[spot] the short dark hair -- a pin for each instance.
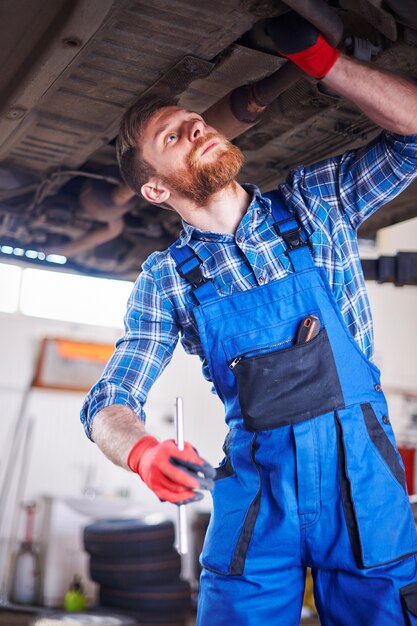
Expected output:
(135, 170)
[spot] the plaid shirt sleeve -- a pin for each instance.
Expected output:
(151, 334)
(360, 181)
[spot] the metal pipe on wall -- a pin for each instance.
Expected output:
(21, 461)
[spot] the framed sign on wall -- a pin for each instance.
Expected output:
(70, 365)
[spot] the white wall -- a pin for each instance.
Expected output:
(395, 313)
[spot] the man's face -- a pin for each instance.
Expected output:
(190, 157)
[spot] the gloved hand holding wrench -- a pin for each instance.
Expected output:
(173, 470)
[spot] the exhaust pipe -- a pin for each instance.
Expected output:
(242, 108)
(104, 203)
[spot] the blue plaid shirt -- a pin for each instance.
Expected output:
(331, 198)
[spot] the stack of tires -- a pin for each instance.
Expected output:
(138, 570)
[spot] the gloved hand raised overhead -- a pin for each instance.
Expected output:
(302, 43)
(171, 473)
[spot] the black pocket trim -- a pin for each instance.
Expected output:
(349, 507)
(224, 470)
(381, 442)
(288, 385)
(409, 600)
(239, 556)
(347, 501)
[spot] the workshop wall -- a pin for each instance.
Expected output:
(394, 312)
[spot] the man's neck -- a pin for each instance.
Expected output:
(221, 214)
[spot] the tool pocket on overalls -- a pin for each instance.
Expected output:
(287, 382)
(373, 487)
(409, 603)
(236, 503)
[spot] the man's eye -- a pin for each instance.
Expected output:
(170, 138)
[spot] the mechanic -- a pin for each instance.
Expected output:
(268, 290)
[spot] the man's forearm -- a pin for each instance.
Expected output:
(387, 99)
(115, 430)
(173, 475)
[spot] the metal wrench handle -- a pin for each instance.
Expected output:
(182, 536)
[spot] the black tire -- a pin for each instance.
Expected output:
(132, 573)
(128, 538)
(156, 598)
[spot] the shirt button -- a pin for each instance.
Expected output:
(239, 239)
(385, 419)
(259, 212)
(261, 279)
(378, 387)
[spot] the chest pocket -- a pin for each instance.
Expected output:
(279, 381)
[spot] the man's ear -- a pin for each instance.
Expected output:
(155, 191)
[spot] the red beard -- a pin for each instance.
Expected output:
(200, 180)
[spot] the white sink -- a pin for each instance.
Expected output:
(99, 508)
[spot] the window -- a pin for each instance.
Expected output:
(10, 277)
(62, 296)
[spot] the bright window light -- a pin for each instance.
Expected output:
(74, 298)
(32, 254)
(56, 258)
(10, 277)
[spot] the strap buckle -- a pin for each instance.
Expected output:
(292, 236)
(196, 277)
(194, 274)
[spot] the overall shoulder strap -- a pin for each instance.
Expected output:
(291, 230)
(188, 266)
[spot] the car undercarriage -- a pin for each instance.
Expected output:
(71, 69)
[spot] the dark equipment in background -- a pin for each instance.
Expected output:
(400, 269)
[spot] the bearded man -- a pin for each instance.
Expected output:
(268, 290)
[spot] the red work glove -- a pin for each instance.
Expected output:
(302, 43)
(171, 473)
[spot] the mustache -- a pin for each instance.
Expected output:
(199, 180)
(201, 141)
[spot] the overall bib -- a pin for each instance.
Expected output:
(311, 475)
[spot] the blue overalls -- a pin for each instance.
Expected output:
(311, 475)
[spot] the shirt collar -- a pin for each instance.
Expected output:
(191, 232)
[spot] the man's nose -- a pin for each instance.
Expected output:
(196, 130)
